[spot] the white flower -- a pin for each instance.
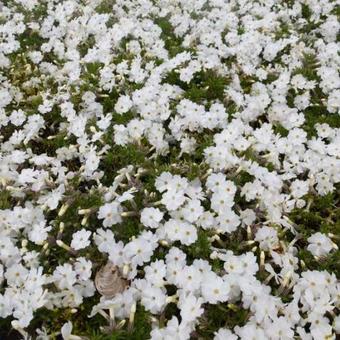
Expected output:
(1, 273)
(250, 331)
(248, 216)
(173, 199)
(111, 213)
(163, 181)
(321, 330)
(5, 97)
(6, 304)
(215, 181)
(190, 279)
(175, 255)
(16, 275)
(267, 237)
(214, 289)
(66, 331)
(324, 130)
(173, 330)
(80, 239)
(121, 134)
(299, 188)
(91, 163)
(220, 202)
(39, 232)
(280, 329)
(228, 221)
(104, 239)
(188, 145)
(177, 230)
(155, 272)
(337, 324)
(206, 220)
(151, 217)
(192, 210)
(83, 268)
(191, 307)
(64, 276)
(244, 265)
(224, 334)
(320, 244)
(17, 117)
(36, 56)
(153, 299)
(139, 251)
(123, 104)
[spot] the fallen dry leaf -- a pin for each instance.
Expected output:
(109, 282)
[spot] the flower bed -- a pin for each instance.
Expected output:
(169, 169)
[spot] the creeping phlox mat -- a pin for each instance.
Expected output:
(169, 169)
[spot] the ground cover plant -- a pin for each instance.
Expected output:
(169, 169)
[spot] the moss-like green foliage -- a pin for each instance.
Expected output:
(322, 216)
(5, 199)
(220, 315)
(201, 248)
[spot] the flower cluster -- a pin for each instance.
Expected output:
(169, 169)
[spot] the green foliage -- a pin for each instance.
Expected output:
(119, 157)
(173, 44)
(220, 315)
(309, 67)
(318, 114)
(140, 330)
(329, 263)
(5, 199)
(7, 331)
(105, 6)
(323, 216)
(206, 85)
(201, 248)
(306, 12)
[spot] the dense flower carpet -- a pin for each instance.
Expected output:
(169, 169)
